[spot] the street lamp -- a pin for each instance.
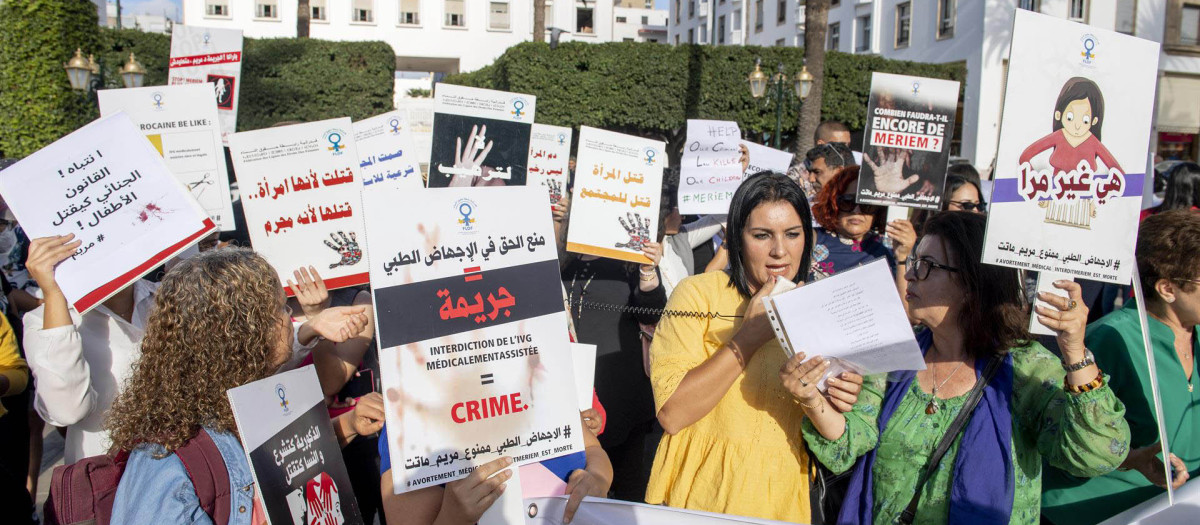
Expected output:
(801, 84)
(79, 72)
(133, 74)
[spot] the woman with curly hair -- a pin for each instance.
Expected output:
(849, 234)
(219, 321)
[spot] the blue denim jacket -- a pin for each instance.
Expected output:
(158, 491)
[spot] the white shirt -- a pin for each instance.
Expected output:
(79, 368)
(672, 268)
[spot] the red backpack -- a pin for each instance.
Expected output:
(84, 491)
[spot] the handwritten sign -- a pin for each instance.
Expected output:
(480, 137)
(710, 170)
(106, 184)
(293, 452)
(181, 123)
(301, 194)
(549, 158)
(906, 145)
(1064, 199)
(764, 158)
(617, 194)
(385, 151)
(205, 55)
(472, 331)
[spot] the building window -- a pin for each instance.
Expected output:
(645, 20)
(781, 12)
(758, 16)
(410, 12)
(549, 16)
(835, 36)
(362, 12)
(721, 29)
(780, 43)
(266, 9)
(691, 9)
(678, 12)
(737, 20)
(835, 3)
(318, 10)
(627, 39)
(498, 16)
(1077, 10)
(583, 20)
(945, 18)
(1030, 5)
(621, 20)
(903, 23)
(216, 8)
(691, 36)
(1189, 29)
(864, 34)
(676, 39)
(456, 13)
(1126, 16)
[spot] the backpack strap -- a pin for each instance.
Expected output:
(206, 467)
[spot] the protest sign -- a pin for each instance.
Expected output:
(106, 184)
(764, 158)
(418, 113)
(302, 197)
(601, 511)
(480, 137)
(711, 169)
(385, 152)
(181, 122)
(1062, 198)
(472, 330)
(204, 55)
(906, 144)
(617, 194)
(549, 156)
(294, 455)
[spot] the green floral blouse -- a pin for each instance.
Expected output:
(1084, 434)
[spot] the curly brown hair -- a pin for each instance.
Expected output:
(1168, 246)
(825, 204)
(217, 323)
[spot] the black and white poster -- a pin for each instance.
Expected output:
(480, 137)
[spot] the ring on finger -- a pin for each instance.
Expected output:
(1071, 305)
(804, 383)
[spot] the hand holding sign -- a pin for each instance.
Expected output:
(44, 255)
(889, 171)
(465, 500)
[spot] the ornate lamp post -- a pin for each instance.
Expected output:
(759, 82)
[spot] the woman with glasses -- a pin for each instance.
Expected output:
(1168, 258)
(849, 233)
(1035, 409)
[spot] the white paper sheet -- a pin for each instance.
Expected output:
(1045, 283)
(583, 358)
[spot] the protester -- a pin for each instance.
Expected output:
(1183, 189)
(831, 131)
(730, 444)
(849, 234)
(14, 377)
(824, 163)
(974, 315)
(1168, 258)
(219, 321)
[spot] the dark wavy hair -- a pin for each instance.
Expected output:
(993, 318)
(1168, 246)
(825, 204)
(1183, 187)
(758, 189)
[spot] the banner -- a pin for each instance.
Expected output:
(385, 151)
(474, 352)
(210, 56)
(906, 144)
(294, 454)
(1073, 144)
(763, 158)
(480, 137)
(106, 184)
(711, 167)
(549, 158)
(302, 198)
(617, 194)
(181, 123)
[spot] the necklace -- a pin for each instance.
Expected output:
(932, 407)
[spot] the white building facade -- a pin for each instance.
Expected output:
(736, 22)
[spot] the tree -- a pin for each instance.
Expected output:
(539, 20)
(816, 18)
(303, 16)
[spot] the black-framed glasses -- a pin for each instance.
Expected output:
(846, 204)
(970, 206)
(921, 267)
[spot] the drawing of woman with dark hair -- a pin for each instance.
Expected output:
(1078, 116)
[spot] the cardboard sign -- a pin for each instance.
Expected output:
(711, 169)
(204, 55)
(386, 153)
(549, 159)
(480, 137)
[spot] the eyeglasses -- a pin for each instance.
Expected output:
(921, 267)
(846, 204)
(1194, 281)
(970, 206)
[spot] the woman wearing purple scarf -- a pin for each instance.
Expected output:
(1034, 409)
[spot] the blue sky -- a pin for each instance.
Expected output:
(173, 7)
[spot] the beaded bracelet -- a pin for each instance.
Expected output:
(737, 354)
(1086, 387)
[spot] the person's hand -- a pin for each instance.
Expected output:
(653, 251)
(45, 253)
(889, 172)
(744, 157)
(1068, 318)
(1145, 460)
(340, 323)
(800, 377)
(309, 290)
(904, 237)
(368, 414)
(465, 500)
(592, 419)
(756, 328)
(579, 484)
(843, 391)
(471, 155)
(559, 211)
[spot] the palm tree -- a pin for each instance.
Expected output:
(539, 20)
(303, 14)
(816, 18)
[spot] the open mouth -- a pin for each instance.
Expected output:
(778, 269)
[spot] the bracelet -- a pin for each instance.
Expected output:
(648, 278)
(644, 272)
(1088, 360)
(737, 354)
(1087, 387)
(814, 405)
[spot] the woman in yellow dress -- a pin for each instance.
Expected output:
(733, 437)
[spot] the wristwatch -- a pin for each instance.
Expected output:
(1088, 360)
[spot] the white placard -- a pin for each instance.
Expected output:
(1045, 283)
(764, 158)
(549, 158)
(601, 511)
(584, 361)
(205, 55)
(710, 170)
(181, 122)
(418, 113)
(301, 194)
(480, 137)
(617, 194)
(385, 152)
(106, 184)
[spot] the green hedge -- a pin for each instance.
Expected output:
(153, 52)
(655, 88)
(37, 105)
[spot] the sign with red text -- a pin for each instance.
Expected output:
(549, 159)
(205, 55)
(617, 194)
(106, 184)
(1070, 167)
(301, 194)
(473, 347)
(711, 169)
(906, 144)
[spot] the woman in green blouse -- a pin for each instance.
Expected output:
(1168, 257)
(992, 473)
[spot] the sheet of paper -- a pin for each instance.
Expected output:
(549, 159)
(710, 170)
(1045, 283)
(386, 154)
(854, 318)
(583, 358)
(509, 508)
(600, 511)
(480, 137)
(764, 158)
(210, 56)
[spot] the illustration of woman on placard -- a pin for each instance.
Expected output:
(1078, 116)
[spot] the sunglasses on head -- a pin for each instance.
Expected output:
(846, 204)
